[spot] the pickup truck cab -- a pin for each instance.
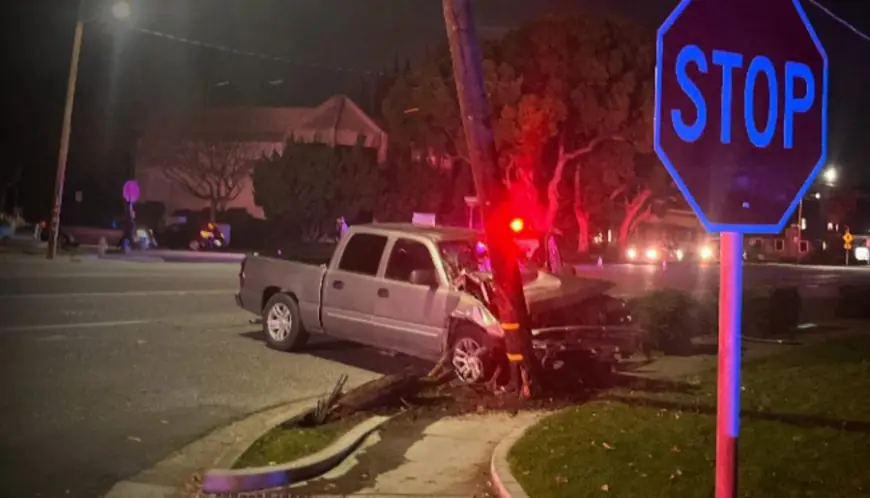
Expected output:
(397, 287)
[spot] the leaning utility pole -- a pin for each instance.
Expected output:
(491, 194)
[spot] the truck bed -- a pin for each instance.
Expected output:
(266, 275)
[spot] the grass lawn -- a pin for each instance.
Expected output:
(284, 444)
(805, 433)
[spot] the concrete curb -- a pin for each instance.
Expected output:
(135, 259)
(262, 478)
(504, 482)
(221, 448)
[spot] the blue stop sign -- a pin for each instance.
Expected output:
(741, 109)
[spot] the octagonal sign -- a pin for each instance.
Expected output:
(741, 109)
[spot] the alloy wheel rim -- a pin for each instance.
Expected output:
(467, 361)
(279, 322)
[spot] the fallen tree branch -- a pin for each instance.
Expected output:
(326, 405)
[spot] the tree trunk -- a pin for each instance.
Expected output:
(563, 159)
(212, 211)
(553, 193)
(631, 212)
(580, 215)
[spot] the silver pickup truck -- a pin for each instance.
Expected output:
(422, 291)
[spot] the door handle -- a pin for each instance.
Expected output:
(383, 293)
(338, 284)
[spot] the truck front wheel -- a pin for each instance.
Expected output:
(473, 355)
(282, 325)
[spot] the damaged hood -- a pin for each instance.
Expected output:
(548, 292)
(545, 291)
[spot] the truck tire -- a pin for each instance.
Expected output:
(468, 366)
(282, 325)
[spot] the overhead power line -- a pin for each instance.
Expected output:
(250, 54)
(285, 60)
(840, 20)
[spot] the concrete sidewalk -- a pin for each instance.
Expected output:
(427, 457)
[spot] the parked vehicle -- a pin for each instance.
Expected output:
(423, 291)
(207, 237)
(671, 252)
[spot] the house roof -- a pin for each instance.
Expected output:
(337, 120)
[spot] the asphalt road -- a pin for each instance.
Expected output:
(107, 367)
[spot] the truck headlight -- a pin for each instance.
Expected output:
(631, 253)
(652, 254)
(679, 254)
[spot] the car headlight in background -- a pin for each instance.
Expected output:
(862, 253)
(631, 253)
(679, 254)
(706, 253)
(652, 253)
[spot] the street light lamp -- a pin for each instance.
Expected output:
(830, 175)
(120, 10)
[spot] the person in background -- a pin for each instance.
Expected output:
(129, 228)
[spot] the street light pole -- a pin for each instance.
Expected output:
(800, 228)
(120, 10)
(63, 153)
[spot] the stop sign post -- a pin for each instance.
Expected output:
(741, 125)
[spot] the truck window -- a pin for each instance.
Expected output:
(362, 253)
(407, 256)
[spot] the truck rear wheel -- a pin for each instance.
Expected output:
(282, 325)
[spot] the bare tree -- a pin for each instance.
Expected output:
(207, 168)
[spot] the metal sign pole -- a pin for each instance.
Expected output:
(728, 383)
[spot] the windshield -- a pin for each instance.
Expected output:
(459, 255)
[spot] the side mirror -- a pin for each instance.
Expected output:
(424, 277)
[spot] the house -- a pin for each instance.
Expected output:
(259, 130)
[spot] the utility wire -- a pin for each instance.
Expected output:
(255, 55)
(284, 60)
(840, 20)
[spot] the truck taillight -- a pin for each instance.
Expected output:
(242, 273)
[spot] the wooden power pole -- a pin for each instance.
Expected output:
(492, 196)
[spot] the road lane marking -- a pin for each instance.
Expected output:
(22, 276)
(44, 295)
(64, 326)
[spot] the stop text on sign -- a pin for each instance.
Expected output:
(760, 70)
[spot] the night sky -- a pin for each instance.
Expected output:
(126, 75)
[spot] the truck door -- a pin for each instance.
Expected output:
(350, 289)
(411, 317)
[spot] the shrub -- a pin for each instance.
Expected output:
(854, 301)
(670, 319)
(785, 308)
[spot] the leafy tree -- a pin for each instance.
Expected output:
(208, 168)
(307, 186)
(10, 175)
(560, 88)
